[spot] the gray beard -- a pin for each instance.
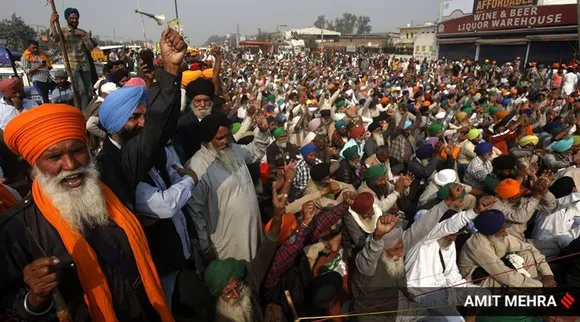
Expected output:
(201, 113)
(239, 310)
(81, 207)
(499, 244)
(226, 157)
(282, 145)
(394, 268)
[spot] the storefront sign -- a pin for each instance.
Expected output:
(484, 5)
(512, 18)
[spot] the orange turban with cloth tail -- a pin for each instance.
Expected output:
(29, 134)
(508, 188)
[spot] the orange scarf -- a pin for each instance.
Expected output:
(7, 198)
(30, 57)
(93, 281)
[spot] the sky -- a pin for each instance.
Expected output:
(202, 19)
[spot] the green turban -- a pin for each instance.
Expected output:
(340, 104)
(485, 106)
(435, 128)
(493, 93)
(493, 110)
(350, 153)
(444, 191)
(278, 132)
(235, 127)
(271, 97)
(467, 109)
(375, 172)
(218, 273)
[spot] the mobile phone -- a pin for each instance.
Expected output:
(146, 56)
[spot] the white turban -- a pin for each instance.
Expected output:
(392, 238)
(109, 87)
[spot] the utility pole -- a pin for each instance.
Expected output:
(142, 25)
(114, 36)
(177, 16)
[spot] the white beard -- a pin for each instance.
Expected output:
(239, 310)
(282, 145)
(201, 113)
(226, 157)
(80, 207)
(499, 244)
(394, 267)
(379, 139)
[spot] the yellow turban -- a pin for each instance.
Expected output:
(528, 139)
(576, 139)
(461, 116)
(189, 76)
(208, 73)
(32, 132)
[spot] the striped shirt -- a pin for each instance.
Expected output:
(77, 54)
(42, 74)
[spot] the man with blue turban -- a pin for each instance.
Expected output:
(556, 157)
(79, 44)
(490, 256)
(480, 166)
(133, 162)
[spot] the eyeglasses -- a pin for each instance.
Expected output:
(228, 294)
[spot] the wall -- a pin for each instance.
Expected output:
(424, 47)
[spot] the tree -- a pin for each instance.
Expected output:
(330, 25)
(363, 25)
(320, 22)
(263, 36)
(16, 32)
(347, 23)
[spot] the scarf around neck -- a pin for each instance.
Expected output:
(96, 290)
(31, 58)
(368, 226)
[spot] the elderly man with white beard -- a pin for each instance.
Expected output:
(378, 281)
(281, 152)
(432, 264)
(224, 204)
(490, 256)
(91, 244)
(236, 285)
(201, 92)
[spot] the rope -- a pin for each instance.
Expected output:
(356, 312)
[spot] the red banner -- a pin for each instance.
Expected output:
(512, 18)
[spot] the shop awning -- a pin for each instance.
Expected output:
(552, 37)
(457, 40)
(508, 41)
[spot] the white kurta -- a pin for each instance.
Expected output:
(224, 206)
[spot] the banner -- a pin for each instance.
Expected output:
(511, 18)
(483, 5)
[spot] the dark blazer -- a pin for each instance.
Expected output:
(122, 169)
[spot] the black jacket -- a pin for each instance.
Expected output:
(187, 136)
(122, 169)
(347, 174)
(109, 243)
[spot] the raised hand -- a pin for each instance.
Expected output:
(290, 171)
(385, 225)
(308, 210)
(455, 198)
(279, 201)
(348, 198)
(484, 204)
(172, 49)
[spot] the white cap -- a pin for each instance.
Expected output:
(440, 115)
(444, 177)
(109, 87)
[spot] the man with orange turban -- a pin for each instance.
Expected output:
(12, 101)
(80, 223)
(519, 210)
